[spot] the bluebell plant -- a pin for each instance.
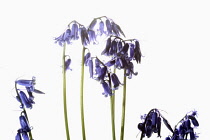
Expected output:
(26, 102)
(152, 123)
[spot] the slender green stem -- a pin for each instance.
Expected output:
(81, 95)
(64, 94)
(24, 110)
(123, 108)
(112, 105)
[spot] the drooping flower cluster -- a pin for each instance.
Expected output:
(152, 124)
(26, 101)
(185, 128)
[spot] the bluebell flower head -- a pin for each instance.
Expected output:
(108, 46)
(65, 37)
(107, 89)
(115, 80)
(74, 31)
(109, 27)
(24, 123)
(84, 36)
(26, 102)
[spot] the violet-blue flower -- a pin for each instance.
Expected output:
(26, 83)
(84, 36)
(24, 123)
(101, 28)
(74, 31)
(26, 102)
(109, 27)
(107, 89)
(115, 80)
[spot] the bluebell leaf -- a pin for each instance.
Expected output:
(101, 28)
(25, 135)
(109, 27)
(74, 31)
(137, 52)
(194, 120)
(90, 64)
(86, 58)
(167, 124)
(26, 102)
(107, 89)
(108, 46)
(24, 123)
(92, 24)
(115, 80)
(18, 136)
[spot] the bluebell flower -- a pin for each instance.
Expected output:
(115, 80)
(26, 83)
(26, 102)
(101, 28)
(137, 52)
(18, 136)
(86, 58)
(92, 36)
(193, 120)
(25, 135)
(116, 29)
(74, 31)
(108, 46)
(131, 50)
(31, 97)
(97, 67)
(90, 64)
(110, 63)
(113, 48)
(67, 64)
(109, 27)
(130, 70)
(24, 123)
(84, 36)
(107, 89)
(124, 50)
(119, 46)
(102, 74)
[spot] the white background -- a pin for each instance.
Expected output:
(173, 76)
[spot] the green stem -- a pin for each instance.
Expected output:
(24, 110)
(81, 95)
(123, 108)
(112, 105)
(64, 94)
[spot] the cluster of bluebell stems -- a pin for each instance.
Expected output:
(151, 123)
(121, 52)
(26, 101)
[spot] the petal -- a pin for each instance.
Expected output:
(25, 135)
(92, 24)
(109, 27)
(90, 63)
(25, 100)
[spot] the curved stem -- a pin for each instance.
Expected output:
(81, 95)
(64, 94)
(24, 110)
(123, 108)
